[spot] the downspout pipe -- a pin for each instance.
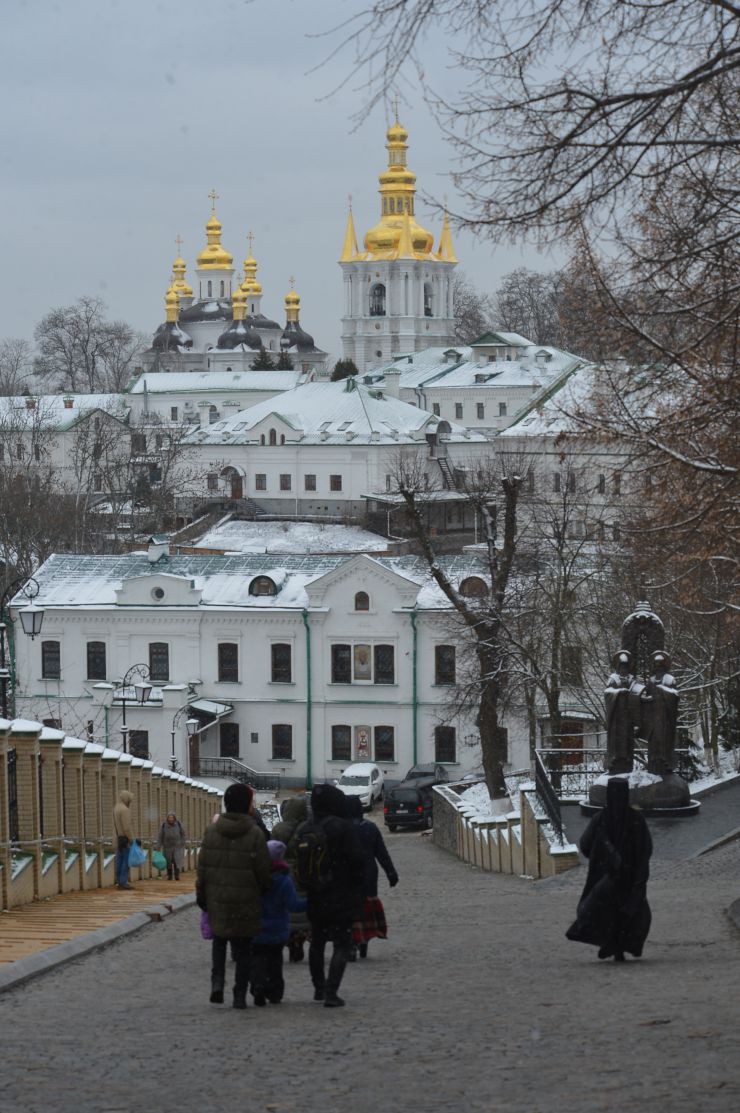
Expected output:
(309, 715)
(414, 690)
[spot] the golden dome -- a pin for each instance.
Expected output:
(184, 289)
(250, 285)
(239, 304)
(172, 304)
(292, 304)
(397, 192)
(214, 255)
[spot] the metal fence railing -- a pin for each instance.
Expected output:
(572, 771)
(232, 767)
(13, 822)
(547, 796)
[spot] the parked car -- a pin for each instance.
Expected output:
(365, 780)
(409, 804)
(435, 774)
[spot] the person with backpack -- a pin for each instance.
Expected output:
(372, 923)
(171, 841)
(293, 813)
(233, 873)
(329, 867)
(266, 968)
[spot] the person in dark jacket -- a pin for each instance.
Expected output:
(333, 910)
(233, 873)
(372, 924)
(266, 967)
(613, 912)
(171, 841)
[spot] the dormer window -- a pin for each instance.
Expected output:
(474, 588)
(262, 585)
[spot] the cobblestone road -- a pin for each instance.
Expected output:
(476, 1003)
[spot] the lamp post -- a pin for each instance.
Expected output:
(31, 618)
(191, 725)
(142, 690)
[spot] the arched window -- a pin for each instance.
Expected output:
(273, 437)
(377, 300)
(391, 205)
(262, 585)
(222, 290)
(210, 288)
(362, 601)
(282, 438)
(262, 438)
(428, 299)
(474, 587)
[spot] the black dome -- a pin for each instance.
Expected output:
(238, 333)
(260, 321)
(209, 310)
(169, 337)
(297, 338)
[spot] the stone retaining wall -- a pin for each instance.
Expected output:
(66, 791)
(520, 842)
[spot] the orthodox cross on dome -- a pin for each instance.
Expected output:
(349, 200)
(395, 107)
(250, 240)
(291, 280)
(179, 242)
(214, 198)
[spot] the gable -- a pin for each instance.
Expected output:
(363, 573)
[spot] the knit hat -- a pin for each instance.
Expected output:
(327, 800)
(238, 798)
(276, 849)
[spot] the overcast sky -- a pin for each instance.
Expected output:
(119, 117)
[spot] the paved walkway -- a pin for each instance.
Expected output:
(477, 1002)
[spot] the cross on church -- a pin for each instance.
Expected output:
(214, 198)
(250, 239)
(179, 242)
(292, 281)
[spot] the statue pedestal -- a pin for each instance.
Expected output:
(666, 796)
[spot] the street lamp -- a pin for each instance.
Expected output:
(31, 617)
(191, 725)
(142, 690)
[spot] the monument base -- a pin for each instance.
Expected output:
(666, 796)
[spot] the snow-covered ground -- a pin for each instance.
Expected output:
(290, 537)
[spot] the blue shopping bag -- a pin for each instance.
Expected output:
(136, 856)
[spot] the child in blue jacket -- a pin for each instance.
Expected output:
(266, 967)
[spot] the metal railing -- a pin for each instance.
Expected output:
(547, 796)
(231, 767)
(571, 772)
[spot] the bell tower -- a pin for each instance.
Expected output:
(398, 291)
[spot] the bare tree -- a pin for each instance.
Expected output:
(472, 310)
(482, 615)
(16, 366)
(79, 350)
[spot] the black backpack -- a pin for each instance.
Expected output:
(312, 858)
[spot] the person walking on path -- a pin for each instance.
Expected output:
(233, 873)
(293, 813)
(613, 912)
(171, 841)
(372, 924)
(335, 901)
(266, 968)
(124, 834)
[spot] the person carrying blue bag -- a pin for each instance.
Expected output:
(123, 832)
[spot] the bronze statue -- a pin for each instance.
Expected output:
(660, 713)
(620, 721)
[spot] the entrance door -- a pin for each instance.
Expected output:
(237, 489)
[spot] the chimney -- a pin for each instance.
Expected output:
(392, 381)
(158, 547)
(68, 402)
(30, 403)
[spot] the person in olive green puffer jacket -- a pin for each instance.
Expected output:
(234, 870)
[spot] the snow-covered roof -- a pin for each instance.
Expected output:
(547, 415)
(331, 412)
(93, 582)
(50, 411)
(498, 338)
(289, 537)
(536, 366)
(205, 382)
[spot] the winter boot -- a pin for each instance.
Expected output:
(217, 991)
(363, 950)
(240, 998)
(333, 1001)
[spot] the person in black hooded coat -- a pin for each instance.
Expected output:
(613, 913)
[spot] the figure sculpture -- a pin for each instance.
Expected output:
(659, 703)
(620, 722)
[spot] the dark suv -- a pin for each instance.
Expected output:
(408, 805)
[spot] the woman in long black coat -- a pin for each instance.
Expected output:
(613, 912)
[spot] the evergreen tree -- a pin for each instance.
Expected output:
(284, 363)
(343, 368)
(263, 361)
